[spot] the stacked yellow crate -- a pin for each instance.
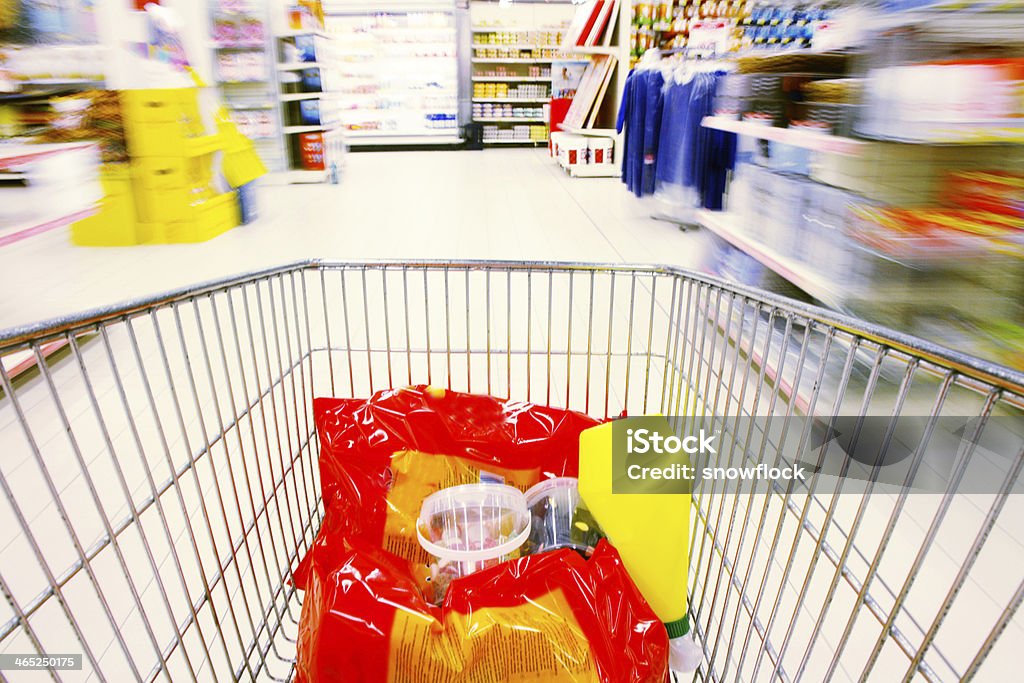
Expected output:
(114, 224)
(166, 192)
(172, 168)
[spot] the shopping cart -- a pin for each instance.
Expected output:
(160, 478)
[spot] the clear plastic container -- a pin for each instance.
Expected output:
(471, 527)
(552, 506)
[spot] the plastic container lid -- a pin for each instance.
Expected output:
(548, 487)
(473, 522)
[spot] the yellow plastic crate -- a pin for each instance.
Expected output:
(211, 218)
(169, 139)
(165, 122)
(170, 204)
(163, 173)
(114, 225)
(160, 105)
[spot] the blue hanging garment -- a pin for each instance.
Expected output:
(653, 109)
(674, 122)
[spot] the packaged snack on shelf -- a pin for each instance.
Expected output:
(999, 192)
(552, 617)
(380, 458)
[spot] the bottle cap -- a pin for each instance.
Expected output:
(679, 627)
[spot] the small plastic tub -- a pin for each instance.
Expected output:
(469, 528)
(552, 506)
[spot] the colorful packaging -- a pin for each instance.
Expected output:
(311, 148)
(366, 615)
(552, 617)
(381, 457)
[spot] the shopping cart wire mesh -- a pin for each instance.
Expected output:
(159, 472)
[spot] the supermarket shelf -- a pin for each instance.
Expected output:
(305, 32)
(510, 119)
(593, 50)
(511, 79)
(20, 232)
(303, 176)
(295, 97)
(241, 46)
(592, 132)
(806, 139)
(42, 87)
(16, 154)
(515, 142)
(298, 66)
(512, 100)
(723, 224)
(515, 46)
(379, 138)
(246, 81)
(294, 130)
(500, 60)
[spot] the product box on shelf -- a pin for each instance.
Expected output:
(311, 151)
(825, 240)
(783, 211)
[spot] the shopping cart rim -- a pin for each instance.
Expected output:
(998, 375)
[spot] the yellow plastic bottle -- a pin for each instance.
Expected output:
(651, 533)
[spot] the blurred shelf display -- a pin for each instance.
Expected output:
(310, 114)
(46, 186)
(539, 100)
(880, 172)
(528, 54)
(796, 137)
(505, 78)
(243, 68)
(36, 85)
(398, 73)
(726, 226)
(509, 119)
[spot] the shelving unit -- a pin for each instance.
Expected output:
(614, 44)
(312, 139)
(398, 73)
(243, 69)
(490, 49)
(48, 204)
(724, 225)
(512, 79)
(521, 100)
(805, 139)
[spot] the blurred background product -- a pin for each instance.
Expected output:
(875, 176)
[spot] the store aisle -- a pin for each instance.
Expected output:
(495, 204)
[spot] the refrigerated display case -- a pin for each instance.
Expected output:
(398, 70)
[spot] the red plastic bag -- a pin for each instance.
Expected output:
(548, 617)
(379, 458)
(551, 617)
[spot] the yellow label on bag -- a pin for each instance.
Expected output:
(537, 641)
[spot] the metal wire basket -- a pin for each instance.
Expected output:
(159, 471)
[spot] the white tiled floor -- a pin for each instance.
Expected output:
(512, 204)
